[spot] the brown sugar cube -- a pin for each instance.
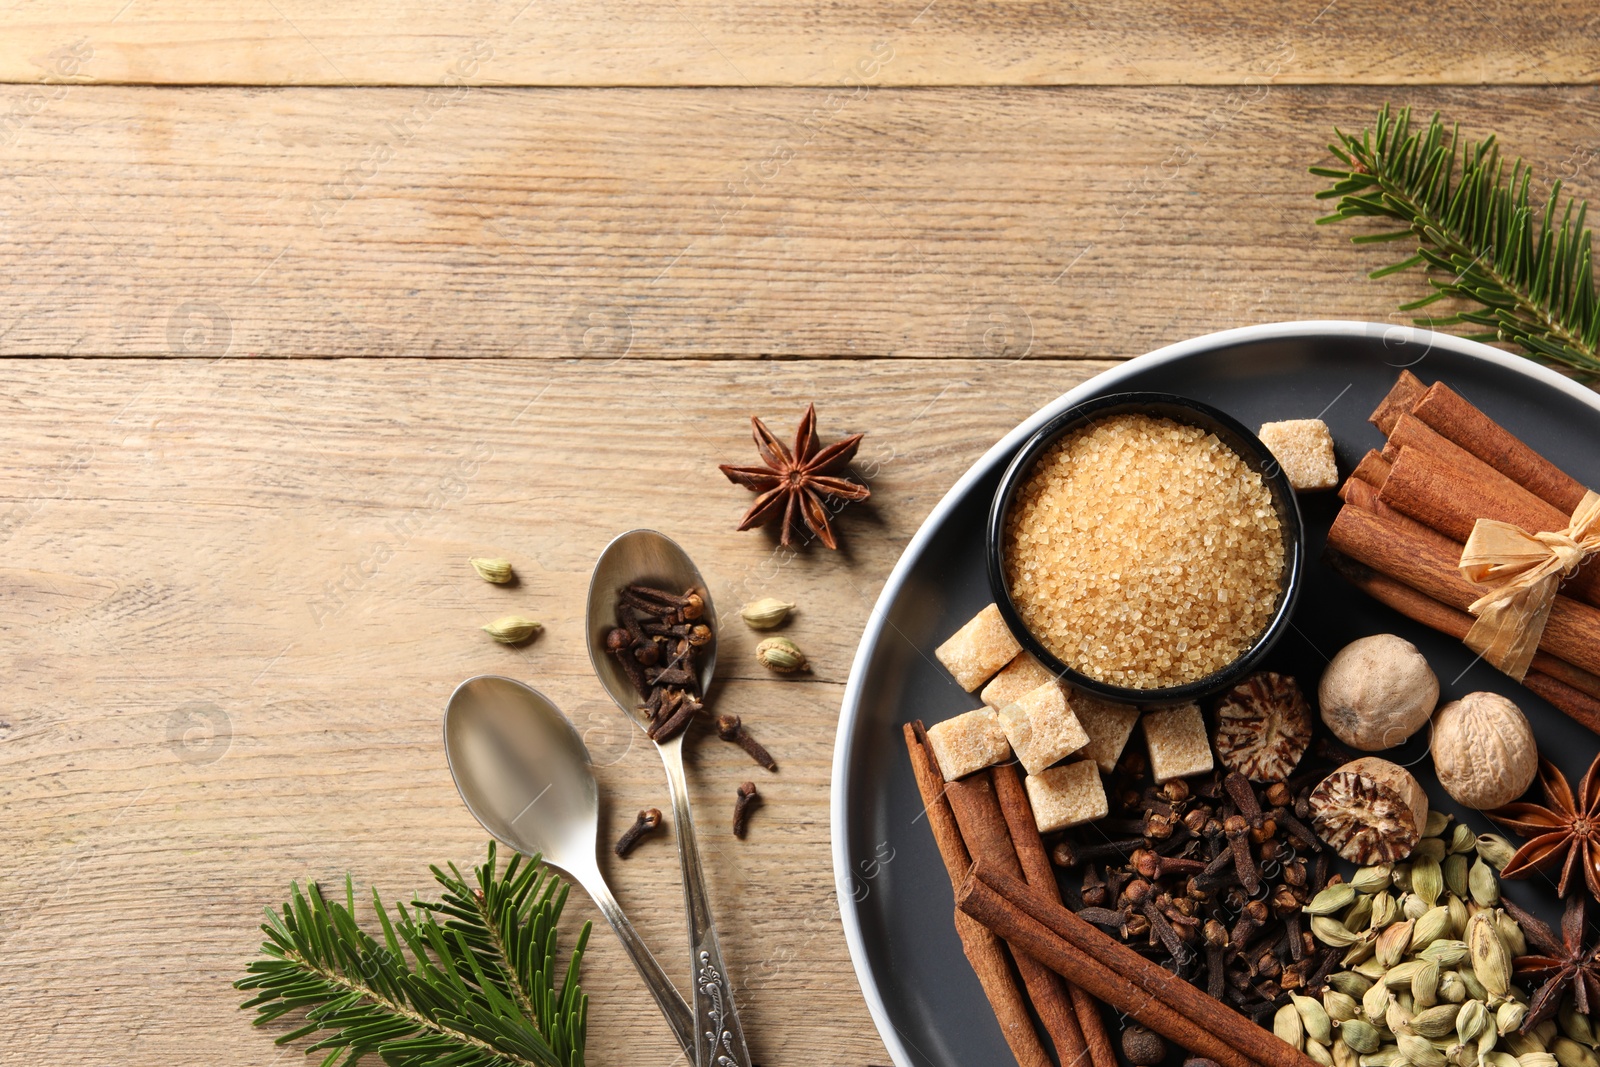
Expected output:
(978, 649)
(1068, 795)
(1178, 743)
(1016, 680)
(1108, 725)
(1304, 449)
(968, 743)
(1042, 728)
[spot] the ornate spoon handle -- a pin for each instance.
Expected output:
(718, 1039)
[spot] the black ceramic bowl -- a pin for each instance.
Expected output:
(1179, 409)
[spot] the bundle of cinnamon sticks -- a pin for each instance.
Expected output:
(1409, 509)
(1009, 911)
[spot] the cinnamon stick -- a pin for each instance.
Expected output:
(984, 951)
(1130, 983)
(1406, 392)
(1438, 490)
(1455, 418)
(987, 835)
(1426, 561)
(1373, 469)
(1579, 706)
(1094, 1044)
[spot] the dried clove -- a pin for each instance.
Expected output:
(649, 819)
(731, 728)
(743, 802)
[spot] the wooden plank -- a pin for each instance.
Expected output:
(236, 597)
(699, 42)
(565, 224)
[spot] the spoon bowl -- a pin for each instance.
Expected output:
(654, 559)
(526, 776)
(650, 558)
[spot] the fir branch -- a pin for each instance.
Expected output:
(1478, 236)
(477, 989)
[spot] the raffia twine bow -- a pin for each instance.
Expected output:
(1526, 570)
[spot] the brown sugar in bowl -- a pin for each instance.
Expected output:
(1174, 565)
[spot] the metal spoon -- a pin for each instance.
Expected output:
(524, 773)
(655, 559)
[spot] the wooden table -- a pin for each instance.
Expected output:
(320, 300)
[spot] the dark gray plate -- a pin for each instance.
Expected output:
(894, 894)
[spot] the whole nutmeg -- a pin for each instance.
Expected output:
(1377, 692)
(1483, 750)
(1144, 1048)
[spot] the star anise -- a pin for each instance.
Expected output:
(1565, 830)
(797, 484)
(1558, 967)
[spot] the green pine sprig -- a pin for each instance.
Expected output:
(469, 980)
(1478, 236)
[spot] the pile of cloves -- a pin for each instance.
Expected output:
(655, 645)
(1208, 878)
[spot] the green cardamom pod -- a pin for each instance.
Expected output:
(1399, 977)
(1344, 1055)
(1446, 952)
(1371, 879)
(1520, 1044)
(1436, 824)
(512, 629)
(1546, 1032)
(1462, 839)
(1387, 1056)
(1365, 965)
(1413, 907)
(1472, 1019)
(1499, 1059)
(1375, 1003)
(1333, 899)
(497, 571)
(1384, 910)
(1483, 885)
(1475, 988)
(1319, 1054)
(1400, 877)
(1511, 934)
(1458, 915)
(1451, 987)
(1350, 984)
(1454, 867)
(781, 654)
(1419, 1051)
(1537, 1059)
(1360, 1035)
(1490, 960)
(1427, 880)
(766, 613)
(1495, 850)
(1397, 1020)
(1314, 1017)
(1434, 924)
(1425, 985)
(1359, 915)
(1393, 942)
(1509, 1016)
(1569, 1053)
(1574, 1023)
(1434, 1023)
(1331, 931)
(1289, 1027)
(1340, 1007)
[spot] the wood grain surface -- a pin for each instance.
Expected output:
(318, 301)
(702, 42)
(565, 224)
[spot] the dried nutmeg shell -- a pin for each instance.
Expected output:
(1143, 1047)
(781, 655)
